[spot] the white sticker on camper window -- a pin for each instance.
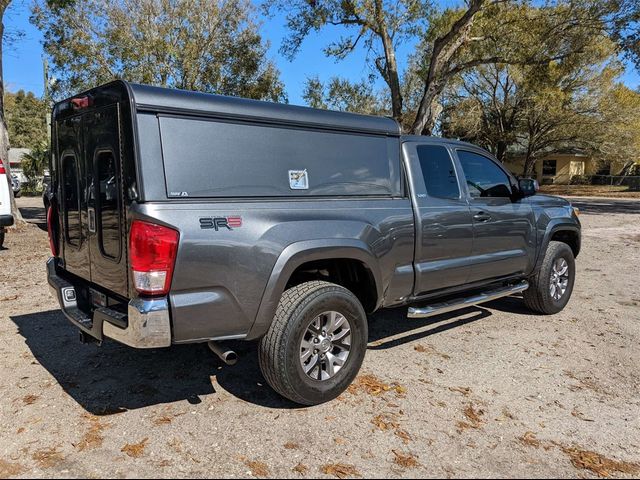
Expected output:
(298, 180)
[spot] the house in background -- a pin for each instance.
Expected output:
(15, 161)
(560, 167)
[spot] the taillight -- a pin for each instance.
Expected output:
(2, 170)
(51, 230)
(152, 255)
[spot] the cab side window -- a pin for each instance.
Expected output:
(484, 177)
(438, 172)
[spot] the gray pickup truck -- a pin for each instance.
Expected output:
(179, 217)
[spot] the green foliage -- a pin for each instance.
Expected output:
(26, 117)
(34, 164)
(343, 95)
(189, 44)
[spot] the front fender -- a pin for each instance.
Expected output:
(554, 226)
(302, 252)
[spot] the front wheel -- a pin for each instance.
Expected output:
(316, 343)
(550, 289)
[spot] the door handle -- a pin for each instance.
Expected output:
(92, 219)
(482, 217)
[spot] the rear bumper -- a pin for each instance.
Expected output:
(6, 220)
(146, 324)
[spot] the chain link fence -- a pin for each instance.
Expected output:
(632, 182)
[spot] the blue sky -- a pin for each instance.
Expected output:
(23, 60)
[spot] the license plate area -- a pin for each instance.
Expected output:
(98, 299)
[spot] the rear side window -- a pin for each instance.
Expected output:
(71, 199)
(206, 158)
(109, 213)
(438, 171)
(484, 177)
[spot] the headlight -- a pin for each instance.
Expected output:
(576, 211)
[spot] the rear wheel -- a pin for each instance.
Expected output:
(1, 236)
(316, 343)
(550, 289)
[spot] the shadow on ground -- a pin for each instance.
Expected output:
(35, 215)
(606, 206)
(113, 378)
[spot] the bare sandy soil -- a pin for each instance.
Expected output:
(490, 391)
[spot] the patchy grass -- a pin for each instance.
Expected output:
(340, 470)
(590, 191)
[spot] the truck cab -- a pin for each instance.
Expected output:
(178, 217)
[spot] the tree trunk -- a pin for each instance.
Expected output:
(428, 112)
(529, 165)
(390, 71)
(501, 150)
(444, 48)
(4, 133)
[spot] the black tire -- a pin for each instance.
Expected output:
(1, 236)
(17, 194)
(538, 296)
(279, 350)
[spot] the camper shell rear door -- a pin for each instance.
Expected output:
(88, 130)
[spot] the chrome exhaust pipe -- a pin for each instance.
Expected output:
(228, 356)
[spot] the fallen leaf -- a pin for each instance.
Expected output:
(47, 457)
(291, 446)
(258, 469)
(466, 391)
(599, 464)
(30, 399)
(529, 439)
(93, 438)
(473, 415)
(135, 450)
(8, 469)
(369, 384)
(300, 468)
(405, 460)
(576, 413)
(340, 470)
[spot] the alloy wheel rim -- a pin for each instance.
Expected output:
(559, 279)
(325, 345)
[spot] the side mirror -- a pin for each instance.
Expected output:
(528, 186)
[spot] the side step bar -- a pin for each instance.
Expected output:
(458, 303)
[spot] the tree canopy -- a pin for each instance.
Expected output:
(190, 44)
(26, 117)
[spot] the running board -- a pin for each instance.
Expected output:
(458, 303)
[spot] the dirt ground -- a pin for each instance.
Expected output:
(486, 392)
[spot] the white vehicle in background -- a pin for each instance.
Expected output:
(6, 219)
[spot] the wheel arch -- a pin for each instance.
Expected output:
(568, 233)
(314, 254)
